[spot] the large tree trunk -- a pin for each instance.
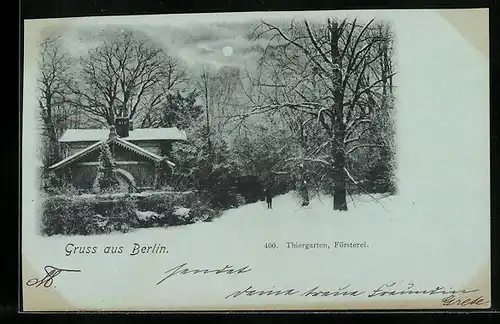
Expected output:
(54, 155)
(339, 164)
(111, 119)
(53, 143)
(339, 126)
(339, 188)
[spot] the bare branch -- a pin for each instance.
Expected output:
(361, 187)
(124, 73)
(304, 49)
(316, 45)
(308, 160)
(356, 42)
(363, 145)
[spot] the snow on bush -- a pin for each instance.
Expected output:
(102, 214)
(201, 212)
(181, 212)
(147, 215)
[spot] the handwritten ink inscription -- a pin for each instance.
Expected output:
(451, 297)
(316, 291)
(50, 273)
(183, 270)
(453, 300)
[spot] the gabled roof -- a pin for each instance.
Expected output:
(139, 134)
(139, 150)
(119, 141)
(77, 155)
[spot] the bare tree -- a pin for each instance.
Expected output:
(53, 85)
(335, 73)
(126, 75)
(217, 89)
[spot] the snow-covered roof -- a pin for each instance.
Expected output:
(119, 141)
(77, 155)
(140, 150)
(139, 134)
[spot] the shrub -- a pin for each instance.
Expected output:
(122, 214)
(170, 209)
(201, 212)
(153, 202)
(66, 216)
(148, 218)
(64, 188)
(87, 215)
(160, 208)
(182, 214)
(102, 214)
(222, 198)
(240, 200)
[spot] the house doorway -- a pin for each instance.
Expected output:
(126, 181)
(123, 184)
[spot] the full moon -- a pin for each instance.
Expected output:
(227, 51)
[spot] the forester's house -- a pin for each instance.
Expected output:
(139, 154)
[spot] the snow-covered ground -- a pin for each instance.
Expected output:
(408, 243)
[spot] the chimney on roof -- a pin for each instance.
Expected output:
(112, 132)
(122, 125)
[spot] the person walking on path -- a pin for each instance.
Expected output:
(269, 199)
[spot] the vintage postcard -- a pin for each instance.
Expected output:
(319, 160)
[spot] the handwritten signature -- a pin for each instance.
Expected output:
(50, 273)
(183, 270)
(453, 300)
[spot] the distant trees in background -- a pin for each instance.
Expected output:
(314, 115)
